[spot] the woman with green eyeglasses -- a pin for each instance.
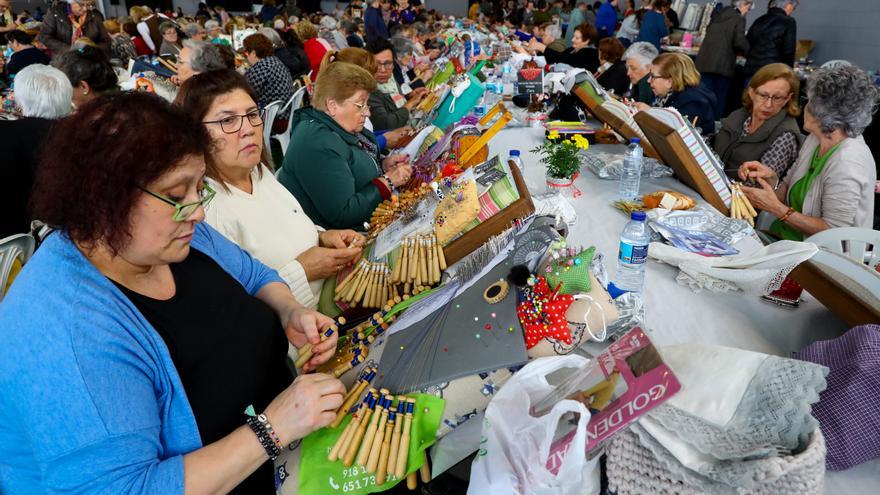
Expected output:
(137, 336)
(764, 129)
(252, 208)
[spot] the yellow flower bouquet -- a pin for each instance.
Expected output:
(561, 155)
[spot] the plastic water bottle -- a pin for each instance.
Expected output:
(514, 157)
(633, 255)
(508, 78)
(631, 174)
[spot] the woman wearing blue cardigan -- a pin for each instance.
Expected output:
(136, 336)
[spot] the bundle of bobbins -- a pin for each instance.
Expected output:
(354, 348)
(419, 267)
(396, 207)
(367, 285)
(740, 206)
(420, 264)
(306, 353)
(378, 437)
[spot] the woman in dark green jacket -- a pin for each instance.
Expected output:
(333, 165)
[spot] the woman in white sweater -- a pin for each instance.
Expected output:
(251, 207)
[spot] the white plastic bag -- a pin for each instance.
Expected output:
(515, 446)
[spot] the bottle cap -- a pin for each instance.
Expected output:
(514, 152)
(635, 140)
(638, 216)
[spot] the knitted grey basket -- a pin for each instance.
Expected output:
(633, 470)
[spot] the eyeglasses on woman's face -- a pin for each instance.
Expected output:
(761, 98)
(363, 108)
(652, 76)
(184, 211)
(232, 123)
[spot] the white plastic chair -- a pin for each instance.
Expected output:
(293, 104)
(862, 245)
(269, 114)
(15, 247)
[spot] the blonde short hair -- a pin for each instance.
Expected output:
(351, 55)
(305, 30)
(339, 81)
(771, 72)
(112, 26)
(679, 68)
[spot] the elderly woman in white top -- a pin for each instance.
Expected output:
(251, 207)
(832, 183)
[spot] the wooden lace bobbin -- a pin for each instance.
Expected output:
(340, 288)
(305, 352)
(338, 448)
(413, 261)
(370, 294)
(376, 448)
(425, 469)
(354, 443)
(395, 439)
(412, 481)
(401, 262)
(352, 288)
(344, 367)
(423, 261)
(403, 448)
(429, 255)
(382, 468)
(435, 260)
(440, 255)
(362, 286)
(353, 396)
(364, 452)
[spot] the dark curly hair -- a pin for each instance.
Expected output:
(95, 161)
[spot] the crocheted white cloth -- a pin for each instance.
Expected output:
(633, 470)
(759, 273)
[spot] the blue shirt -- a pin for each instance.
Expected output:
(374, 24)
(653, 28)
(606, 20)
(90, 400)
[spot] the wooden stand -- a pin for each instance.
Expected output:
(613, 121)
(471, 240)
(675, 153)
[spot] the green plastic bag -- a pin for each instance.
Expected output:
(442, 76)
(318, 476)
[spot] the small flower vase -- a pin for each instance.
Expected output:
(563, 186)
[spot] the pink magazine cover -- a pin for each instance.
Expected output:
(633, 373)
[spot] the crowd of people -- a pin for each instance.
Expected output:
(175, 229)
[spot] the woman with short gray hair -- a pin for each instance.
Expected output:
(639, 59)
(196, 57)
(43, 94)
(832, 183)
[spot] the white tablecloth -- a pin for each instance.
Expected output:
(674, 313)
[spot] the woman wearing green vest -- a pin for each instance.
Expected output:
(765, 129)
(333, 165)
(832, 183)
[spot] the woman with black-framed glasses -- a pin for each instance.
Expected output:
(252, 208)
(138, 335)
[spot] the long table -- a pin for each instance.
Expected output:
(674, 313)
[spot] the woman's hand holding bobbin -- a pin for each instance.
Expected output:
(308, 404)
(397, 169)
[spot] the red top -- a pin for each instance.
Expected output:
(140, 46)
(315, 50)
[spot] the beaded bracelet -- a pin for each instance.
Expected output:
(270, 445)
(787, 214)
(271, 431)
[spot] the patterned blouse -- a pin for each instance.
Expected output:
(271, 80)
(781, 154)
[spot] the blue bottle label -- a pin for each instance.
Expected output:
(631, 254)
